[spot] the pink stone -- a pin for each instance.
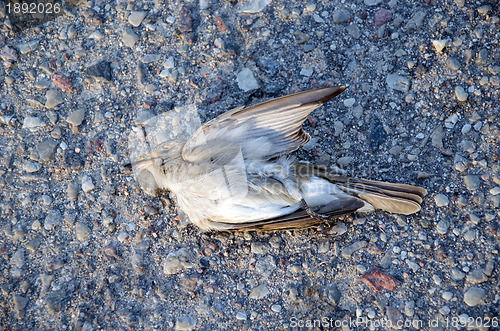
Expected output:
(382, 16)
(63, 82)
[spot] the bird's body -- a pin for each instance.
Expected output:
(235, 172)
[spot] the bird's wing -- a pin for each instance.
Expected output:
(296, 220)
(263, 131)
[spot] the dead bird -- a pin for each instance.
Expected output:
(236, 173)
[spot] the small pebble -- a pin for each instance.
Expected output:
(136, 17)
(442, 227)
(476, 276)
(349, 102)
(318, 19)
(28, 47)
(484, 9)
(46, 149)
(260, 248)
(453, 63)
(451, 121)
(466, 128)
(472, 182)
(17, 258)
(341, 16)
(301, 37)
(447, 296)
(276, 308)
(129, 37)
(72, 190)
(437, 137)
(441, 200)
(52, 220)
(394, 316)
(87, 184)
(437, 280)
(470, 235)
(382, 16)
(82, 231)
(259, 292)
(246, 80)
(344, 161)
(445, 310)
(495, 190)
(338, 229)
(241, 316)
(306, 72)
(457, 274)
(255, 6)
(354, 31)
(310, 7)
(123, 235)
(36, 225)
(474, 296)
(397, 82)
(33, 244)
(76, 118)
(64, 83)
(8, 54)
(412, 265)
(100, 71)
(440, 44)
(461, 94)
(32, 122)
(53, 98)
(175, 261)
(185, 322)
(31, 167)
(338, 126)
(350, 249)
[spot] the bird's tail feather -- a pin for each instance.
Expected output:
(391, 197)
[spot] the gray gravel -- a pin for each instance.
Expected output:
(84, 247)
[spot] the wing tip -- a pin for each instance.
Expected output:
(332, 92)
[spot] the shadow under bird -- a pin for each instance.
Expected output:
(236, 173)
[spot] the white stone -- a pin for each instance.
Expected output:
(441, 200)
(397, 82)
(136, 18)
(241, 316)
(451, 121)
(255, 6)
(87, 184)
(461, 94)
(96, 35)
(440, 44)
(31, 122)
(246, 80)
(349, 102)
(259, 292)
